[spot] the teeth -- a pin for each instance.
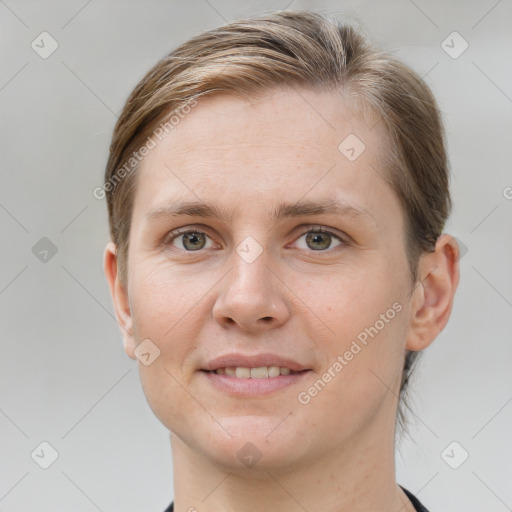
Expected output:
(273, 371)
(259, 373)
(243, 373)
(263, 372)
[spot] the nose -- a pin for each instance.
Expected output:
(251, 297)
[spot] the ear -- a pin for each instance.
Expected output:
(433, 296)
(120, 298)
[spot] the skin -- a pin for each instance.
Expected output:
(335, 453)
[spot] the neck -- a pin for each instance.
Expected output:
(343, 480)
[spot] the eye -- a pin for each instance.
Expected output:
(319, 239)
(189, 240)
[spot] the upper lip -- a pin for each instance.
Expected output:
(253, 361)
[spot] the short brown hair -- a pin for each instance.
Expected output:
(287, 49)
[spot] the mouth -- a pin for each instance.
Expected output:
(247, 382)
(260, 372)
(246, 376)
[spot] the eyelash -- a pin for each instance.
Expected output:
(183, 231)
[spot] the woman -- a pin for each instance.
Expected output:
(277, 190)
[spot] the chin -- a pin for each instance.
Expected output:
(257, 444)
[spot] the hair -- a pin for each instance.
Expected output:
(290, 49)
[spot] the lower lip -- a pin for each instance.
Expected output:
(253, 387)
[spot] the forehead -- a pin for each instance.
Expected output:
(281, 147)
(308, 120)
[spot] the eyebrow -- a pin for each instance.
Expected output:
(284, 210)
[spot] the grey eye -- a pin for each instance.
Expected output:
(193, 240)
(318, 240)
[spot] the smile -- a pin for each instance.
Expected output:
(245, 382)
(262, 372)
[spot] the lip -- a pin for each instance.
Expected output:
(252, 387)
(253, 361)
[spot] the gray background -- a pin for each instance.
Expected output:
(64, 377)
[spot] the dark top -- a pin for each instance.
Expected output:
(417, 505)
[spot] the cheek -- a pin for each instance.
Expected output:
(354, 298)
(166, 300)
(365, 312)
(167, 309)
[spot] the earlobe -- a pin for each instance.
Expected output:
(433, 296)
(120, 298)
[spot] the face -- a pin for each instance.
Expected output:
(265, 270)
